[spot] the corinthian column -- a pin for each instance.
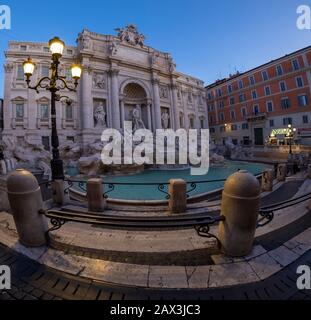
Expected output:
(7, 108)
(86, 99)
(115, 104)
(156, 103)
(175, 106)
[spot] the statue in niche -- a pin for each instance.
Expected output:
(99, 81)
(165, 119)
(136, 119)
(99, 116)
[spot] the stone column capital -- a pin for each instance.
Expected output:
(155, 81)
(86, 68)
(113, 72)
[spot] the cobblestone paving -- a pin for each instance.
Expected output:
(32, 281)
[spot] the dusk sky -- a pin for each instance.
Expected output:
(207, 39)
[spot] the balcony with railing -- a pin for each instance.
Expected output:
(256, 117)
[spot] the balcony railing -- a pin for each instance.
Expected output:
(260, 116)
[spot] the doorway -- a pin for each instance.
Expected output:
(258, 134)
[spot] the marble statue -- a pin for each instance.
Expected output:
(100, 115)
(131, 35)
(165, 119)
(136, 119)
(113, 48)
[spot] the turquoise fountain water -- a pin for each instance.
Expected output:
(151, 192)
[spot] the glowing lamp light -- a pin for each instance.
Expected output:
(28, 67)
(76, 71)
(56, 46)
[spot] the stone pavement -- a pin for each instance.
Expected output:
(269, 272)
(34, 281)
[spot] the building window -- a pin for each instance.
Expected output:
(256, 109)
(244, 126)
(303, 100)
(254, 94)
(19, 112)
(265, 76)
(269, 106)
(285, 103)
(232, 101)
(299, 82)
(70, 138)
(229, 88)
(243, 112)
(240, 84)
(212, 130)
(69, 51)
(234, 127)
(222, 129)
(287, 121)
(295, 64)
(251, 80)
(282, 86)
(209, 96)
(69, 112)
(271, 122)
(222, 116)
(181, 120)
(23, 48)
(267, 90)
(46, 49)
(242, 97)
(45, 71)
(221, 104)
(279, 70)
(46, 142)
(44, 111)
(232, 115)
(219, 92)
(191, 122)
(201, 123)
(305, 119)
(20, 72)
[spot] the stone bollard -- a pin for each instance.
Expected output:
(94, 192)
(58, 192)
(25, 201)
(177, 191)
(267, 180)
(240, 207)
(281, 173)
(309, 171)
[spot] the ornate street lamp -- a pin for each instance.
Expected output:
(54, 83)
(290, 134)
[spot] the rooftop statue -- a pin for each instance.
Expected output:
(131, 35)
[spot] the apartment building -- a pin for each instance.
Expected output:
(258, 106)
